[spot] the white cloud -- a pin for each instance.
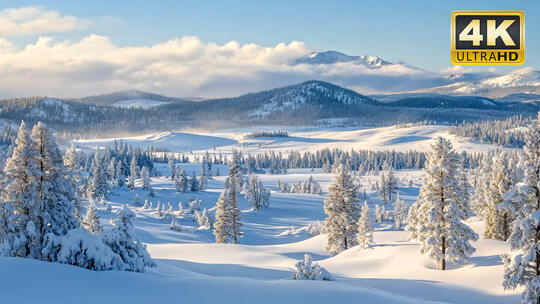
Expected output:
(181, 67)
(37, 20)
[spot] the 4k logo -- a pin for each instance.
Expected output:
(488, 37)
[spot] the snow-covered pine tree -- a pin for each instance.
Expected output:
(133, 171)
(391, 183)
(145, 175)
(233, 182)
(378, 213)
(120, 178)
(71, 159)
(111, 171)
(257, 195)
(222, 224)
(436, 219)
(179, 181)
(91, 221)
(400, 212)
(498, 221)
(343, 210)
(97, 187)
(365, 228)
(523, 268)
(172, 167)
(20, 207)
(193, 183)
(481, 190)
(122, 240)
(202, 179)
(55, 193)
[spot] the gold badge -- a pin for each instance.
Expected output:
(487, 37)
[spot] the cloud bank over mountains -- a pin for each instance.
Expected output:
(184, 67)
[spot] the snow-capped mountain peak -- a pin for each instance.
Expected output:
(332, 57)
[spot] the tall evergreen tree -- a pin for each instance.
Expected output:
(365, 228)
(436, 218)
(343, 210)
(55, 192)
(523, 201)
(221, 226)
(21, 206)
(498, 221)
(233, 183)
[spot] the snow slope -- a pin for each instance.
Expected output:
(192, 269)
(173, 141)
(142, 103)
(302, 139)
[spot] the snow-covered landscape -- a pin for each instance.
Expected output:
(190, 262)
(267, 152)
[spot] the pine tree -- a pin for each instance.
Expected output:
(523, 268)
(400, 212)
(71, 159)
(180, 182)
(133, 172)
(56, 194)
(498, 222)
(365, 228)
(97, 187)
(145, 175)
(120, 178)
(92, 221)
(172, 167)
(379, 213)
(221, 226)
(123, 241)
(202, 179)
(21, 206)
(233, 183)
(436, 219)
(193, 183)
(257, 195)
(343, 210)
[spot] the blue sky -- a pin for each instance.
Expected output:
(416, 32)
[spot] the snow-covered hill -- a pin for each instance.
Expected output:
(138, 103)
(522, 81)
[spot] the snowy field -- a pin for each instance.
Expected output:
(193, 269)
(300, 139)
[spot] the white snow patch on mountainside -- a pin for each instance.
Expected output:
(138, 103)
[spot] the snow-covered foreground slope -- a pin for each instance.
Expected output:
(192, 269)
(301, 139)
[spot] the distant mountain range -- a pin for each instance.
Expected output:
(487, 84)
(307, 103)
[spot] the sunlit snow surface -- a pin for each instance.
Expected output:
(191, 269)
